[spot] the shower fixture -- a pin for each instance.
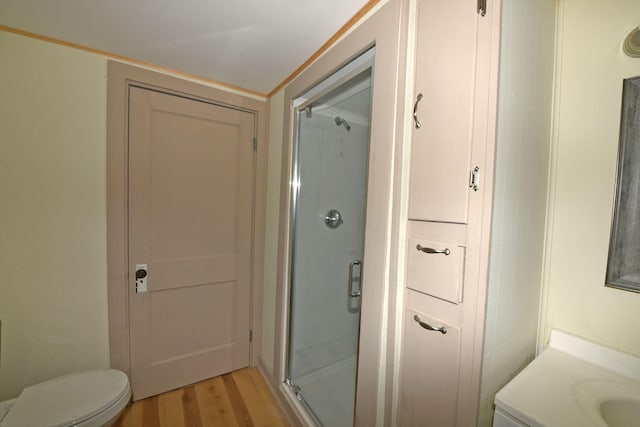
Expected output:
(343, 122)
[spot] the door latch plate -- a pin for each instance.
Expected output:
(141, 278)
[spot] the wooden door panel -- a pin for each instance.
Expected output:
(445, 76)
(190, 220)
(429, 373)
(178, 316)
(171, 274)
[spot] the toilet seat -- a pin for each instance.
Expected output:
(85, 398)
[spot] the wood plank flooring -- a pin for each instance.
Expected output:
(237, 399)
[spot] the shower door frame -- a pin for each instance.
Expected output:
(342, 80)
(382, 29)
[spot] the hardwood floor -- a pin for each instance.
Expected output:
(240, 398)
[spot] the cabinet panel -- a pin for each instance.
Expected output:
(445, 75)
(435, 267)
(436, 274)
(429, 373)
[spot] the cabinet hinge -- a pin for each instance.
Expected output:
(474, 178)
(482, 7)
(255, 144)
(250, 335)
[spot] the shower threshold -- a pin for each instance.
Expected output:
(329, 393)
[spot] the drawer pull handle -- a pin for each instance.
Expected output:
(444, 251)
(427, 326)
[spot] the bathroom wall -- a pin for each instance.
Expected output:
(590, 69)
(53, 288)
(53, 283)
(520, 193)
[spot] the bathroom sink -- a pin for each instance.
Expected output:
(576, 383)
(611, 403)
(620, 412)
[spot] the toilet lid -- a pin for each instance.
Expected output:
(67, 399)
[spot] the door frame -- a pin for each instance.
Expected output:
(120, 77)
(384, 29)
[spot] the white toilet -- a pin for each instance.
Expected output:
(87, 399)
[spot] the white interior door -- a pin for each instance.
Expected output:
(190, 228)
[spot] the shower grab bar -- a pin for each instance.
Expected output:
(350, 291)
(427, 326)
(444, 251)
(415, 111)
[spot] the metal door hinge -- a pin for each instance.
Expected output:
(474, 178)
(250, 335)
(482, 7)
(255, 144)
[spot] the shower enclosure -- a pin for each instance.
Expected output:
(327, 277)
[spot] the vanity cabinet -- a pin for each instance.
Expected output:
(443, 114)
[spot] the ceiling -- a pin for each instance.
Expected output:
(252, 44)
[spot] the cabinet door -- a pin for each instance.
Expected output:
(445, 75)
(429, 373)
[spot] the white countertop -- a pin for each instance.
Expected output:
(564, 386)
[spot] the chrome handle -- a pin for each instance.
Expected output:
(350, 291)
(427, 326)
(474, 178)
(444, 251)
(415, 111)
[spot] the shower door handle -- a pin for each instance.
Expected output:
(352, 264)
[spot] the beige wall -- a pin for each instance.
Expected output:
(53, 262)
(53, 292)
(589, 84)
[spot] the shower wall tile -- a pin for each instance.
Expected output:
(520, 194)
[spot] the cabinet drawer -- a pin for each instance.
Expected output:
(436, 268)
(430, 372)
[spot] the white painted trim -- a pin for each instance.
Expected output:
(552, 182)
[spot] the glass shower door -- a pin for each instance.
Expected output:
(327, 250)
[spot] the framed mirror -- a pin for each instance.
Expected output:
(623, 266)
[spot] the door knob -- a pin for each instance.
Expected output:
(141, 278)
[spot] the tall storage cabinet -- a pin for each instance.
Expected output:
(449, 210)
(474, 249)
